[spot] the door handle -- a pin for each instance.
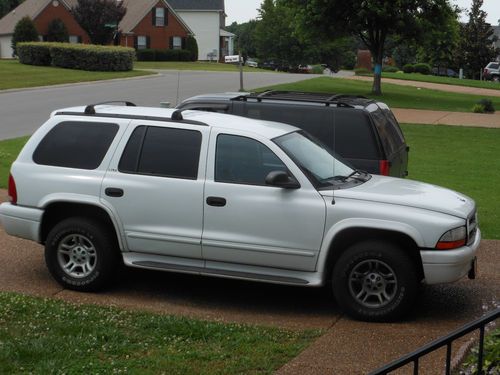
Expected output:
(216, 201)
(114, 192)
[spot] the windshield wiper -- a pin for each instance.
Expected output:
(345, 178)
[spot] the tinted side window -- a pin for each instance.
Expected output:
(163, 152)
(243, 160)
(75, 144)
(388, 130)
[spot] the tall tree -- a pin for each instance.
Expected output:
(275, 37)
(371, 20)
(99, 18)
(245, 37)
(477, 45)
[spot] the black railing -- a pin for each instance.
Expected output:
(439, 343)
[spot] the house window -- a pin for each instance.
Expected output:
(159, 17)
(142, 42)
(74, 39)
(177, 42)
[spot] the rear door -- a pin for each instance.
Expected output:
(155, 187)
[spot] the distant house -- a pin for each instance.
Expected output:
(496, 30)
(147, 24)
(207, 19)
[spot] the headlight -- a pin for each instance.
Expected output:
(452, 239)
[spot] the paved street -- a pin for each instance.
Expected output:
(22, 112)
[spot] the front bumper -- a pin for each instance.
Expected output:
(445, 266)
(23, 222)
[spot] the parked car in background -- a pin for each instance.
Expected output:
(217, 195)
(252, 63)
(444, 72)
(492, 71)
(362, 131)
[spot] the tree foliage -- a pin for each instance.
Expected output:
(24, 31)
(7, 5)
(57, 31)
(99, 18)
(476, 49)
(371, 20)
(192, 47)
(245, 37)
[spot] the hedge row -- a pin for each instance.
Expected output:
(76, 56)
(417, 68)
(150, 54)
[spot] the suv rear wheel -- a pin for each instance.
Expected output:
(375, 281)
(81, 254)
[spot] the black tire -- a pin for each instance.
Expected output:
(89, 251)
(375, 281)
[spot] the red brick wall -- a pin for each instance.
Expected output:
(50, 13)
(159, 36)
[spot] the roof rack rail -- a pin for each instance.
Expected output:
(308, 97)
(90, 109)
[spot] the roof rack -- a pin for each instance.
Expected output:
(90, 111)
(309, 97)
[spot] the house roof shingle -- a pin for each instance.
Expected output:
(136, 11)
(197, 4)
(30, 8)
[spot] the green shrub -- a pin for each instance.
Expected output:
(183, 55)
(491, 356)
(57, 31)
(192, 47)
(24, 31)
(317, 69)
(92, 57)
(362, 72)
(478, 108)
(34, 53)
(423, 68)
(488, 105)
(147, 54)
(390, 69)
(409, 68)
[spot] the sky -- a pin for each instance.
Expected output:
(245, 10)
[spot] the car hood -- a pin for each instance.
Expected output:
(408, 193)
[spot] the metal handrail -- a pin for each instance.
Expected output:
(439, 343)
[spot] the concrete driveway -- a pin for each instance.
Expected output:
(347, 347)
(23, 111)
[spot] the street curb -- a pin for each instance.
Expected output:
(34, 88)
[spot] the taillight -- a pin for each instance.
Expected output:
(384, 167)
(12, 190)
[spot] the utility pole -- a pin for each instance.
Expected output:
(241, 72)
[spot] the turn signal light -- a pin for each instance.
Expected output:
(452, 239)
(12, 192)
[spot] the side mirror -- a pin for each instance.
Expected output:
(282, 179)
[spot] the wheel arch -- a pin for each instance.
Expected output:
(346, 237)
(56, 211)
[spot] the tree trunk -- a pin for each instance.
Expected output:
(377, 76)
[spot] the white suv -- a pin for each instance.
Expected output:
(227, 196)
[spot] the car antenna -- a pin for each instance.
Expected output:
(178, 87)
(333, 148)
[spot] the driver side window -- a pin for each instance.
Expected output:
(242, 160)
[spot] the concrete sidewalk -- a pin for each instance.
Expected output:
(433, 86)
(418, 116)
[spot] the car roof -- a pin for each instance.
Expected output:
(268, 129)
(284, 97)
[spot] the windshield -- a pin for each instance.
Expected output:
(319, 163)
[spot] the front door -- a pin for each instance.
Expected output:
(248, 222)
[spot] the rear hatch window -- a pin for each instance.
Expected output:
(390, 133)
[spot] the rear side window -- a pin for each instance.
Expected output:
(389, 131)
(348, 132)
(165, 152)
(494, 66)
(75, 144)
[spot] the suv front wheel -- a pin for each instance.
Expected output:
(80, 254)
(375, 281)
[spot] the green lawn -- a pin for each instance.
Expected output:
(44, 336)
(445, 80)
(198, 65)
(460, 158)
(14, 75)
(394, 95)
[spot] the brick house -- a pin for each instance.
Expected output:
(147, 24)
